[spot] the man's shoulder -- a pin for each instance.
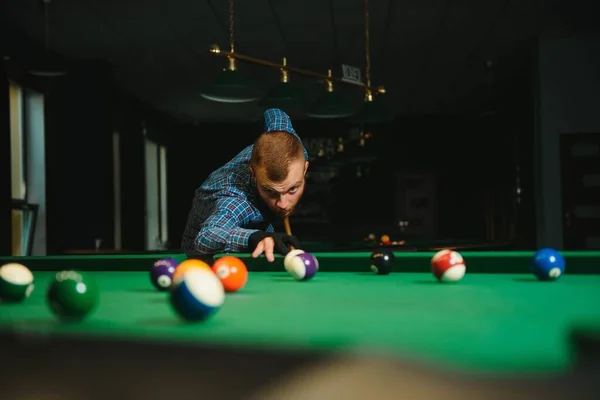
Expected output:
(234, 176)
(242, 159)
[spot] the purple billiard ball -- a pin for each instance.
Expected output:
(303, 266)
(162, 273)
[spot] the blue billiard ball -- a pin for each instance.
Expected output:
(548, 264)
(197, 294)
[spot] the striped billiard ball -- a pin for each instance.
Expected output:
(16, 282)
(300, 265)
(448, 266)
(197, 294)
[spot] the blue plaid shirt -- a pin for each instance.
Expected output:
(227, 208)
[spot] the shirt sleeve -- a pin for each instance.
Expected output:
(221, 231)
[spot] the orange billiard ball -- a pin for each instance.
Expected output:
(232, 272)
(187, 264)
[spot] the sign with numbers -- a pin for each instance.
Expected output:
(351, 73)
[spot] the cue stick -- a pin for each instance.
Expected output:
(288, 230)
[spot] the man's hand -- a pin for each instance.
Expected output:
(264, 242)
(267, 246)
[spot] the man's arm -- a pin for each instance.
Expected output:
(221, 232)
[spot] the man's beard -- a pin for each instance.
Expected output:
(286, 213)
(289, 212)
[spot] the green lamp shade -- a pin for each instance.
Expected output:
(48, 66)
(284, 94)
(372, 112)
(329, 106)
(231, 87)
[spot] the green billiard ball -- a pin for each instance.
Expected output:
(16, 282)
(72, 295)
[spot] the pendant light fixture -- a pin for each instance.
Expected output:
(48, 65)
(372, 110)
(331, 104)
(230, 86)
(285, 94)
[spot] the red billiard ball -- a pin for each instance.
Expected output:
(232, 272)
(448, 266)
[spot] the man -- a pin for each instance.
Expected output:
(233, 209)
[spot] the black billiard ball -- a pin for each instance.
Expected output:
(389, 252)
(382, 262)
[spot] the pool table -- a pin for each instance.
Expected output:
(498, 332)
(404, 245)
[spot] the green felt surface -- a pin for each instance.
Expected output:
(577, 262)
(92, 262)
(487, 322)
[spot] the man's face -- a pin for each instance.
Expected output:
(282, 197)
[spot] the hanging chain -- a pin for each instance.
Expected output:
(367, 46)
(47, 24)
(284, 68)
(231, 45)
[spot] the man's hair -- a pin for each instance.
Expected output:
(275, 151)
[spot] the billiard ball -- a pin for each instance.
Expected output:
(188, 264)
(161, 273)
(448, 266)
(385, 240)
(389, 252)
(547, 264)
(72, 295)
(197, 294)
(232, 272)
(288, 257)
(16, 282)
(300, 265)
(382, 262)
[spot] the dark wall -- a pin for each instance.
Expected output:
(15, 52)
(82, 110)
(193, 153)
(131, 133)
(79, 161)
(471, 156)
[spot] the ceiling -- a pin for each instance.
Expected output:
(430, 55)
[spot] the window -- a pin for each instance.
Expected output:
(27, 171)
(17, 167)
(117, 188)
(156, 196)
